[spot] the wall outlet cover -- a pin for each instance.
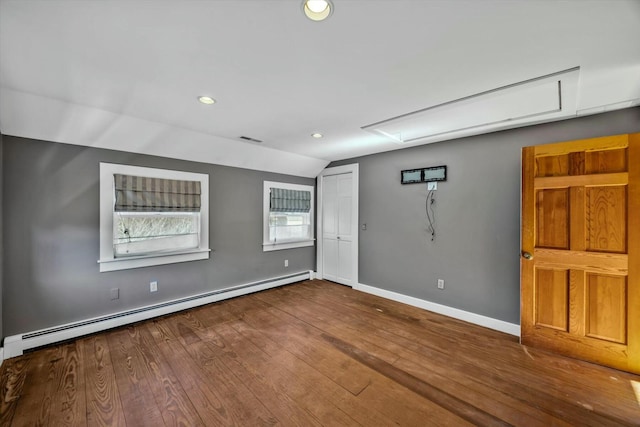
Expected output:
(153, 286)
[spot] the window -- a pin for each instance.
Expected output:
(152, 216)
(288, 216)
(147, 233)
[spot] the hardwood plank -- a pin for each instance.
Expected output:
(585, 385)
(318, 316)
(297, 339)
(436, 412)
(175, 406)
(598, 180)
(438, 368)
(262, 379)
(515, 366)
(606, 310)
(429, 370)
(103, 400)
(285, 355)
(272, 373)
(552, 298)
(231, 334)
(577, 163)
(13, 374)
(137, 399)
(68, 403)
(606, 142)
(552, 165)
(577, 282)
(577, 204)
(552, 218)
(291, 368)
(205, 399)
(633, 242)
(528, 242)
(316, 382)
(606, 219)
(43, 374)
(332, 360)
(446, 326)
(447, 401)
(583, 260)
(232, 400)
(606, 161)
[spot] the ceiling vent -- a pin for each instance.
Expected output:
(249, 139)
(546, 98)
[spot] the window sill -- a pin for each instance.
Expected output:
(266, 247)
(114, 264)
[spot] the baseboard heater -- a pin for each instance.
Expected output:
(15, 345)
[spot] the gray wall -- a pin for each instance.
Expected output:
(51, 236)
(1, 240)
(477, 210)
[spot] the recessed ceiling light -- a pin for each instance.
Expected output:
(317, 135)
(206, 100)
(317, 10)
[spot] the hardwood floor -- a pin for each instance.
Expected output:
(309, 354)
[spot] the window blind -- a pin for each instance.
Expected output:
(284, 200)
(143, 194)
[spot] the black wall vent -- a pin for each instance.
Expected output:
(246, 138)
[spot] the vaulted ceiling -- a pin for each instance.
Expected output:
(126, 74)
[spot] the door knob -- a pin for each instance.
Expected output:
(527, 255)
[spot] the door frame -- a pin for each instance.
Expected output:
(354, 169)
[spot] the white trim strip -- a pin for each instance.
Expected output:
(476, 319)
(108, 261)
(266, 247)
(16, 344)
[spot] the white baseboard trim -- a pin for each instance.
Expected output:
(15, 345)
(477, 319)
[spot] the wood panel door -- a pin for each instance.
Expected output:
(580, 263)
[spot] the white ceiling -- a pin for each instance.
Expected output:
(126, 74)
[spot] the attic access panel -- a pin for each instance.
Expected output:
(532, 101)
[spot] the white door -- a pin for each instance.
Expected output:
(337, 258)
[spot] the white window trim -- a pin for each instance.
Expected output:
(107, 261)
(266, 201)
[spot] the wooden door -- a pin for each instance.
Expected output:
(580, 264)
(337, 230)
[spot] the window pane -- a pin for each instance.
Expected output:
(141, 233)
(289, 226)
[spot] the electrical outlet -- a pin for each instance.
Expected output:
(440, 283)
(115, 293)
(432, 186)
(286, 263)
(153, 286)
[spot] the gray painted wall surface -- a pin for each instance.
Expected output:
(1, 240)
(477, 210)
(51, 230)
